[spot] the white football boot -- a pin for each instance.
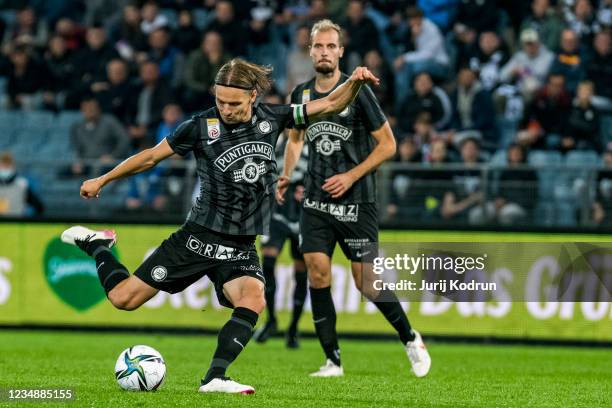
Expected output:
(83, 237)
(226, 385)
(418, 356)
(330, 369)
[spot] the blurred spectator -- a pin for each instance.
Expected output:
(528, 68)
(568, 61)
(426, 98)
(385, 91)
(152, 19)
(583, 124)
(97, 137)
(546, 117)
(26, 80)
(516, 193)
(149, 98)
(476, 15)
(429, 54)
(72, 33)
(103, 11)
(546, 21)
(127, 35)
(17, 199)
(115, 92)
(299, 62)
(232, 31)
(187, 36)
(604, 14)
(91, 61)
(602, 207)
(360, 29)
(473, 18)
(440, 12)
(580, 17)
(460, 203)
(61, 70)
(28, 28)
(473, 108)
(424, 133)
(488, 59)
(400, 200)
(169, 59)
(200, 70)
(599, 69)
(147, 189)
(438, 153)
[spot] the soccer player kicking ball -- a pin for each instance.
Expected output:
(233, 144)
(340, 199)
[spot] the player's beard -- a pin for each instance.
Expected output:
(325, 69)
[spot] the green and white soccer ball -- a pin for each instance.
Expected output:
(140, 368)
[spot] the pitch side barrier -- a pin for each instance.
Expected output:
(550, 287)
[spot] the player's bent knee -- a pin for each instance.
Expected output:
(122, 300)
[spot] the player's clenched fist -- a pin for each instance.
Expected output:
(281, 188)
(364, 74)
(91, 188)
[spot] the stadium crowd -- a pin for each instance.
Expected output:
(463, 82)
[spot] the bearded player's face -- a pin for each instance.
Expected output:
(234, 104)
(326, 51)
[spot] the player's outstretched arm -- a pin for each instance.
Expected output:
(342, 96)
(137, 163)
(385, 148)
(293, 150)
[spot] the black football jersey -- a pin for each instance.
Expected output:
(236, 165)
(340, 142)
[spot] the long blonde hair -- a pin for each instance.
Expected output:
(242, 74)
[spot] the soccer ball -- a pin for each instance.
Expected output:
(140, 368)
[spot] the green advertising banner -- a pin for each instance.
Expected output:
(43, 281)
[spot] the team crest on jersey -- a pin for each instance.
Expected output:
(327, 137)
(250, 171)
(306, 96)
(214, 131)
(264, 127)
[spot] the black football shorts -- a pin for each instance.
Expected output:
(353, 226)
(194, 251)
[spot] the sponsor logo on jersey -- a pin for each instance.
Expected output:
(327, 136)
(342, 212)
(242, 151)
(325, 128)
(214, 130)
(215, 251)
(306, 96)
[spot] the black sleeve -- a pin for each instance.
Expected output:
(373, 116)
(290, 116)
(184, 138)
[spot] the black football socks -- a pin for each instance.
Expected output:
(324, 318)
(299, 297)
(110, 271)
(232, 339)
(270, 292)
(390, 307)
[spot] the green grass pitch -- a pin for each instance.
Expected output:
(376, 373)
